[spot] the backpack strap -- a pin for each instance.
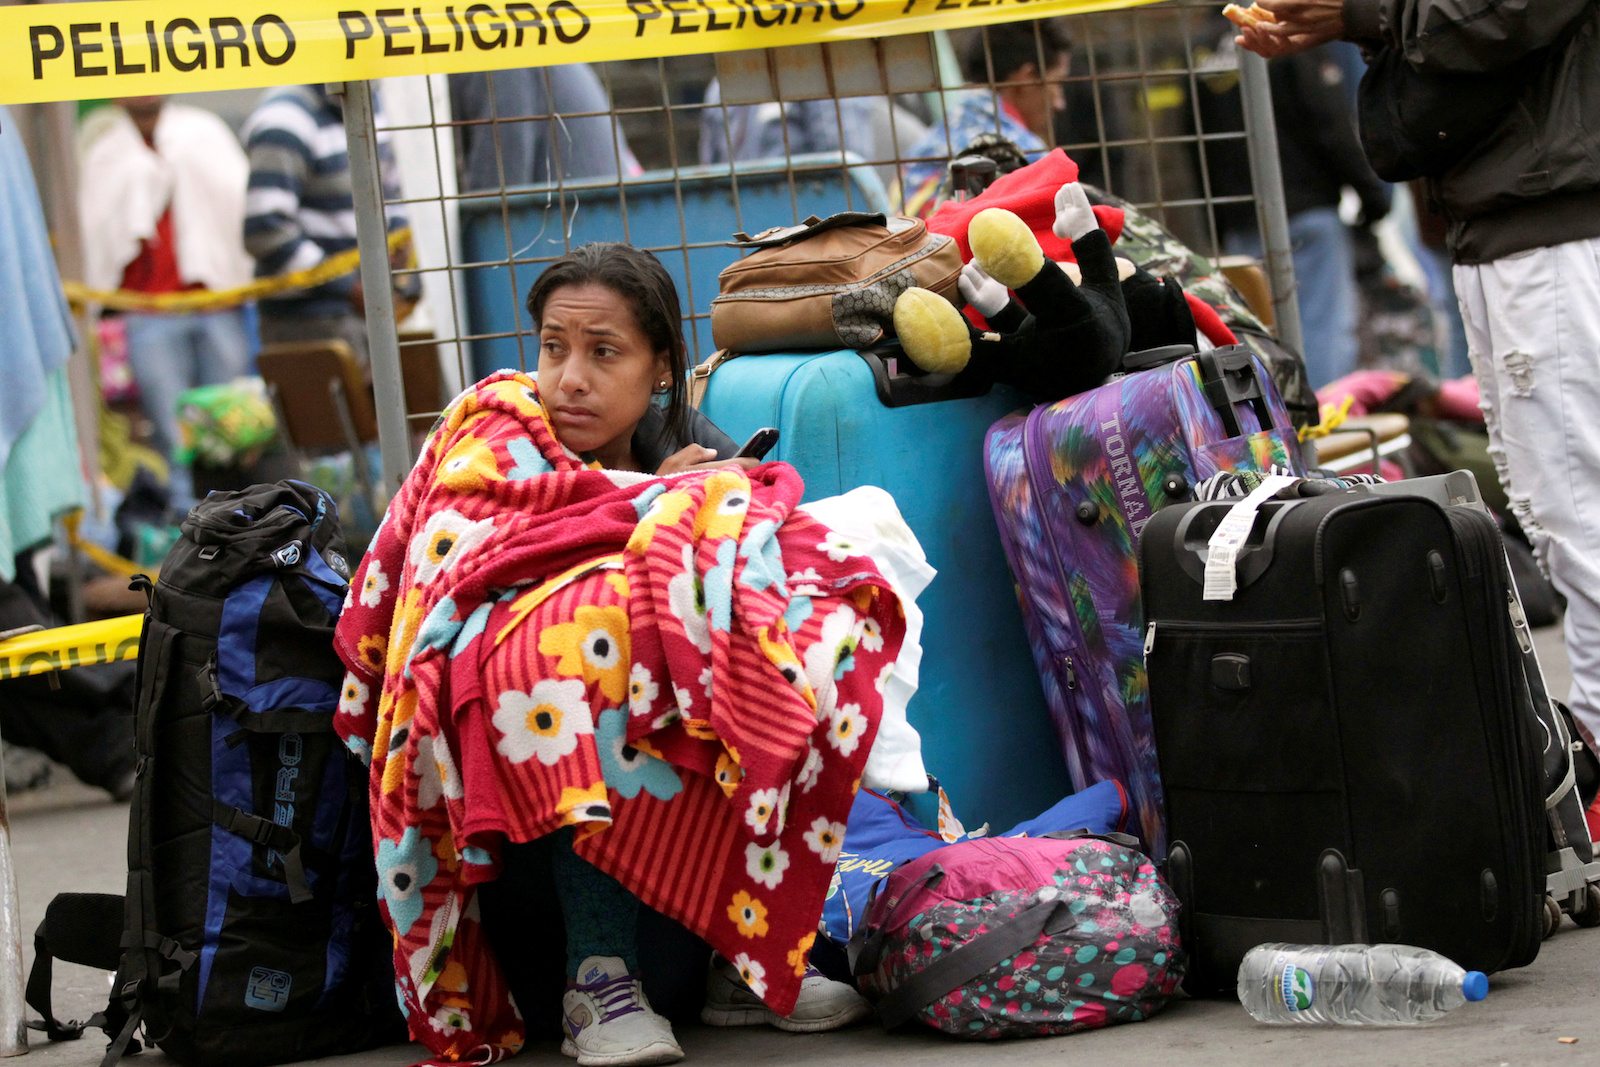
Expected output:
(282, 840)
(977, 957)
(37, 995)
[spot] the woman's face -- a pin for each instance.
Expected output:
(597, 370)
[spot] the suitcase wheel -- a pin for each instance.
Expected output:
(1552, 915)
(1590, 915)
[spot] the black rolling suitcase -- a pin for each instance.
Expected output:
(1348, 743)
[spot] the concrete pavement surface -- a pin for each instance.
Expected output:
(69, 837)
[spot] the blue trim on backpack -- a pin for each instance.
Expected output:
(308, 693)
(236, 637)
(231, 784)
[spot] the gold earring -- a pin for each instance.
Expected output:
(662, 385)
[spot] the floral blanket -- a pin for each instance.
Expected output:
(685, 669)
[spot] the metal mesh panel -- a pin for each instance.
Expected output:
(505, 171)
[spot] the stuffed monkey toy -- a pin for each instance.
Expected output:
(1066, 336)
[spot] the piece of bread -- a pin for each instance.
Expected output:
(1246, 17)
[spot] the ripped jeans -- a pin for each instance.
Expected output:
(1533, 332)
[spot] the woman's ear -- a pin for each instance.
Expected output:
(661, 372)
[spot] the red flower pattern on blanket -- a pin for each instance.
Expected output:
(685, 669)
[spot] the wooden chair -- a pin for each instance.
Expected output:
(1364, 441)
(1247, 276)
(323, 403)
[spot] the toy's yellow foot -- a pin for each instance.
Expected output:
(932, 331)
(1004, 247)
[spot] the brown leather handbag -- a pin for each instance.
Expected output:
(828, 283)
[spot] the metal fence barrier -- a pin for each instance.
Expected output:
(503, 172)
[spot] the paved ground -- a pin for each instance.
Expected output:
(69, 837)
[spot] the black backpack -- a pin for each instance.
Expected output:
(250, 933)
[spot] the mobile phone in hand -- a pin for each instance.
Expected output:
(760, 443)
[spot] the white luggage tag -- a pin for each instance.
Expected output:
(1222, 579)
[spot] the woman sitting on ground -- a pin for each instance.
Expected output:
(576, 624)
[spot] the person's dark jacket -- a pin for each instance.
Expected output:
(652, 443)
(1318, 147)
(1535, 180)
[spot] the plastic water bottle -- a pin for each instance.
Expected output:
(1353, 985)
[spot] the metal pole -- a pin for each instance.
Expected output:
(13, 1020)
(1266, 176)
(372, 237)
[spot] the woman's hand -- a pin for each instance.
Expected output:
(701, 458)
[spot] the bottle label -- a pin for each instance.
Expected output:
(1295, 988)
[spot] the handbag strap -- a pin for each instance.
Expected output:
(977, 957)
(700, 376)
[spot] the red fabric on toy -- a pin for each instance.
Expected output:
(1029, 193)
(1208, 322)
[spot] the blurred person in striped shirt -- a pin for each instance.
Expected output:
(299, 211)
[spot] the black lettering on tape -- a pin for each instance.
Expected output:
(36, 34)
(643, 11)
(978, 3)
(236, 39)
(564, 35)
(768, 20)
(360, 31)
(711, 19)
(503, 35)
(428, 47)
(677, 16)
(801, 7)
(742, 13)
(261, 45)
(124, 647)
(946, 5)
(50, 661)
(521, 23)
(81, 48)
(461, 34)
(123, 67)
(197, 49)
(841, 16)
(909, 5)
(155, 46)
(383, 15)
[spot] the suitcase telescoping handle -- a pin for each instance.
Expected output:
(1228, 377)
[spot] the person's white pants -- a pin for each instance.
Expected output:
(1533, 332)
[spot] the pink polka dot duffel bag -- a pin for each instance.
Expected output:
(1021, 937)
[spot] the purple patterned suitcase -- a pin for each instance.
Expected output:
(1072, 484)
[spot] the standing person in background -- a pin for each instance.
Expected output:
(1320, 155)
(874, 128)
(300, 212)
(161, 199)
(1020, 107)
(523, 145)
(1523, 202)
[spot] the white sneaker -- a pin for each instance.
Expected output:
(823, 1004)
(609, 1023)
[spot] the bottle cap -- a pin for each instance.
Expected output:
(1475, 986)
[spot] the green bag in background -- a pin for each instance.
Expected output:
(225, 425)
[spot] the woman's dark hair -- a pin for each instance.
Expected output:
(1012, 46)
(640, 279)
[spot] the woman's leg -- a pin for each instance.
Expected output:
(602, 918)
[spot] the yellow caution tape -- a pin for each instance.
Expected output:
(107, 561)
(335, 266)
(65, 647)
(1333, 417)
(112, 48)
